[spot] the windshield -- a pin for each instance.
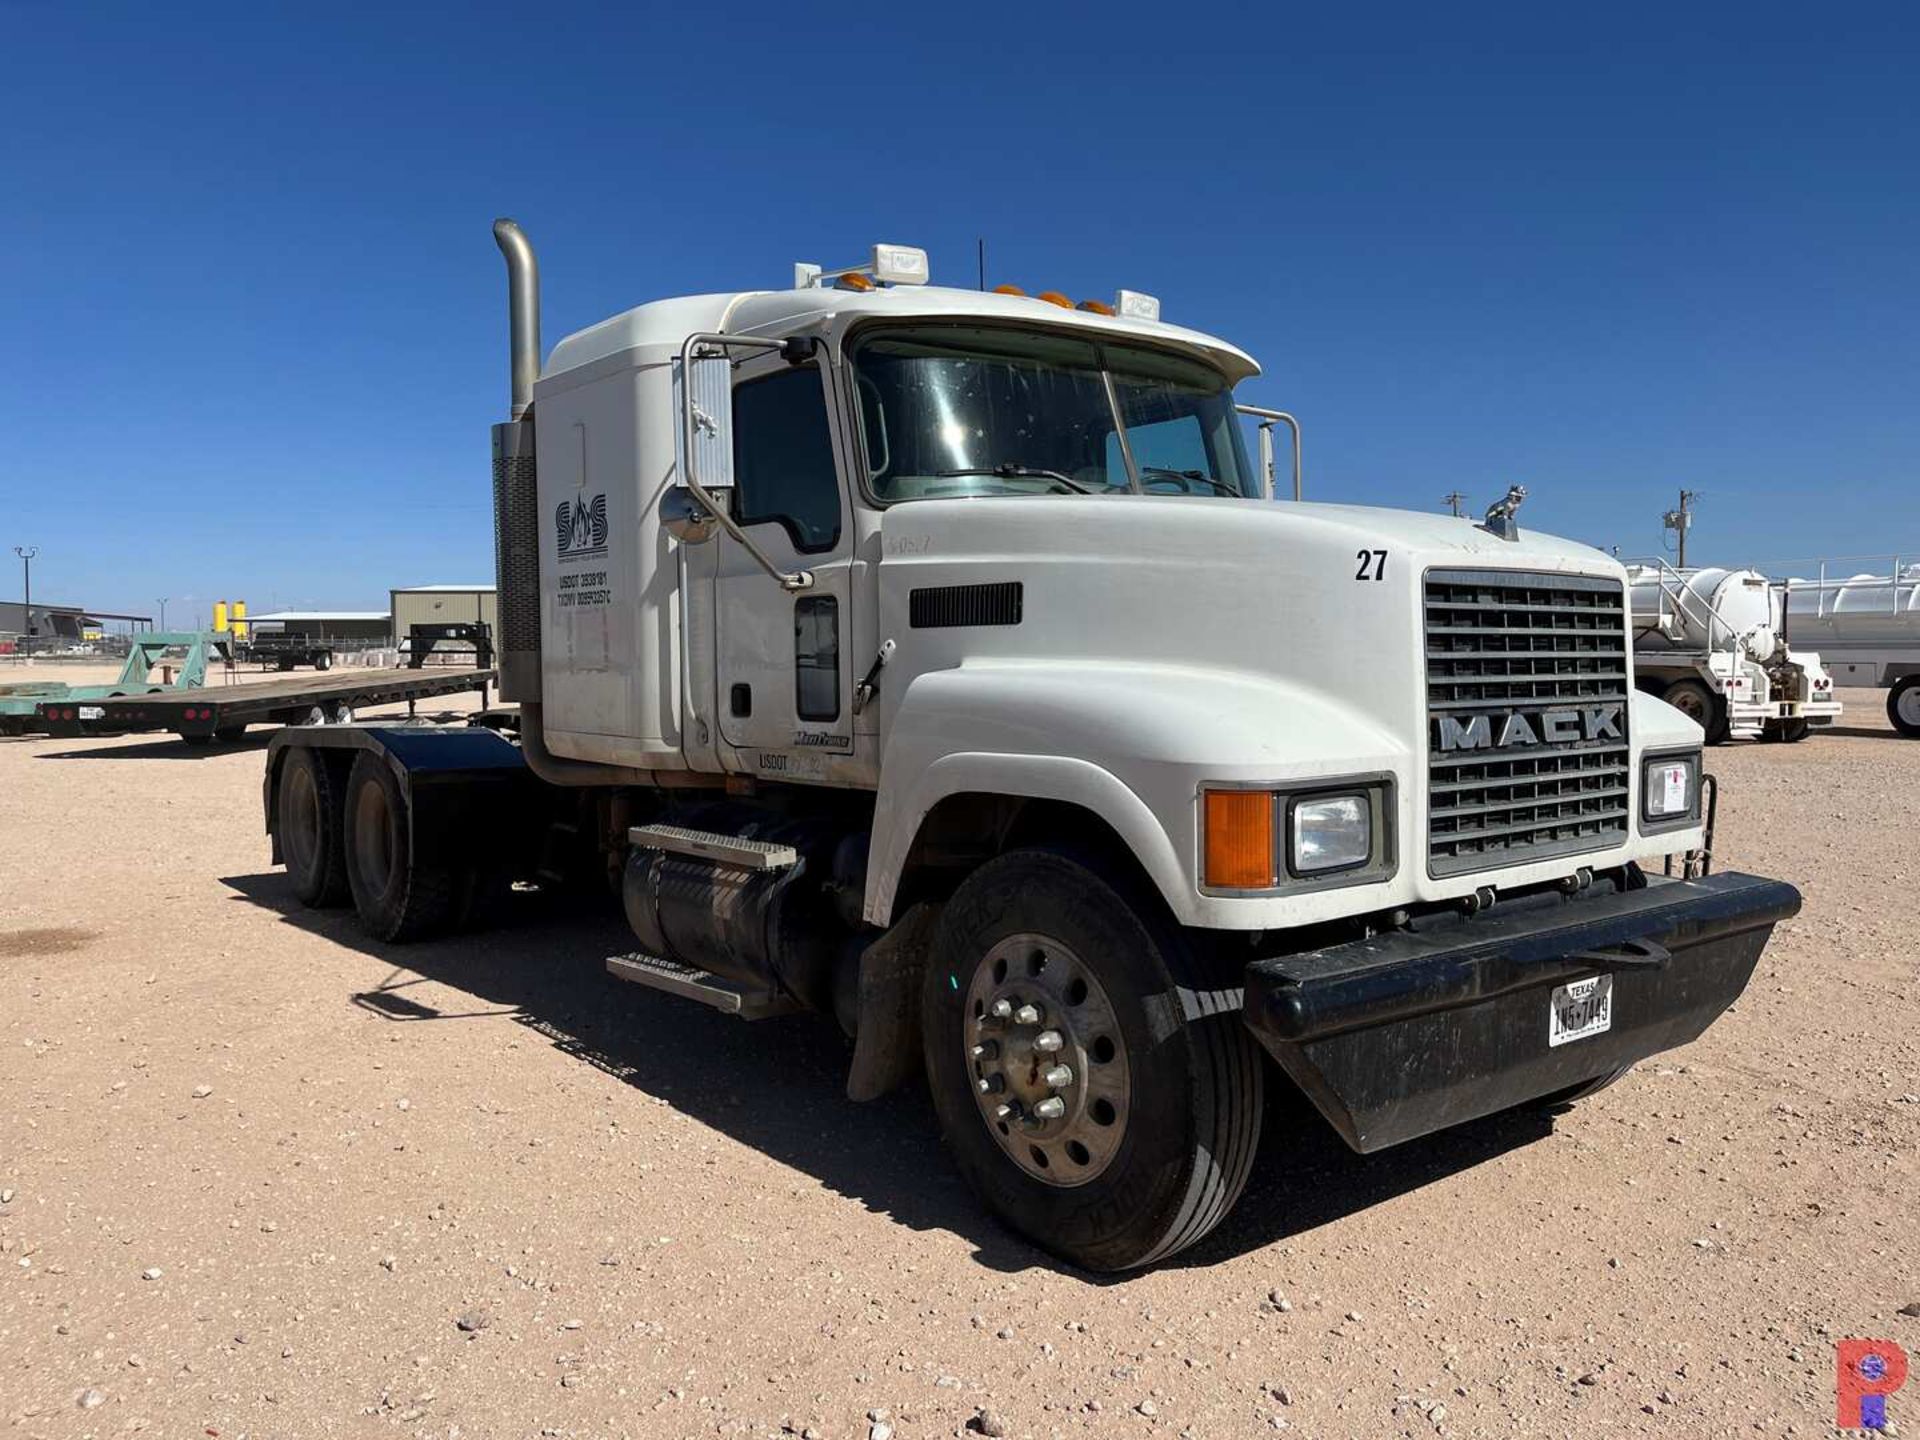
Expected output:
(956, 410)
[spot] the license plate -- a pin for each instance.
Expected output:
(1581, 1009)
(92, 712)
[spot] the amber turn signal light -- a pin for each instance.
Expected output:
(1237, 833)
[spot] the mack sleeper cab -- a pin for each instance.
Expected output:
(936, 660)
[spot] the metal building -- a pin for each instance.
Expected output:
(444, 604)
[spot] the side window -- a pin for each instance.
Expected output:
(816, 657)
(783, 457)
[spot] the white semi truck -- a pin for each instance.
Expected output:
(1713, 644)
(935, 659)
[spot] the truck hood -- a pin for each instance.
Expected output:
(1325, 602)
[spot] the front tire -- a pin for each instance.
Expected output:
(399, 893)
(1156, 1123)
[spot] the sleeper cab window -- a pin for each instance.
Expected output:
(783, 457)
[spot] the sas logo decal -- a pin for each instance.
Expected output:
(580, 526)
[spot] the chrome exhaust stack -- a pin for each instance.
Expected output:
(516, 500)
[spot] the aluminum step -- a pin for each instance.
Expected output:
(702, 985)
(711, 845)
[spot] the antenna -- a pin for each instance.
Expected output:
(1453, 500)
(982, 242)
(1680, 521)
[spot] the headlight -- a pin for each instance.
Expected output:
(1330, 833)
(1670, 788)
(1272, 840)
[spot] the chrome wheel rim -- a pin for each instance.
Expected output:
(1908, 704)
(1046, 1059)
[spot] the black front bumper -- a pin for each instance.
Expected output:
(1413, 1031)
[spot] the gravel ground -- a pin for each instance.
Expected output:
(259, 1177)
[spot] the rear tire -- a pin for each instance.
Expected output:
(1903, 706)
(399, 893)
(1789, 732)
(323, 661)
(1162, 1109)
(1693, 699)
(308, 826)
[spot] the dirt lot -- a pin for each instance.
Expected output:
(258, 1177)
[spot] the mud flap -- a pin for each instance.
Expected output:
(886, 1045)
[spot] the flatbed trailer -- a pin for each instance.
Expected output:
(223, 712)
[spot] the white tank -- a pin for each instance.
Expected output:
(1710, 609)
(1880, 609)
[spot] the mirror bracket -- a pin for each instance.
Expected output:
(704, 345)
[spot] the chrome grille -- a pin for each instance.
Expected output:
(1517, 643)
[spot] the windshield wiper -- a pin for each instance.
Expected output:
(1009, 471)
(1220, 487)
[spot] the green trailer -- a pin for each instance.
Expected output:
(30, 707)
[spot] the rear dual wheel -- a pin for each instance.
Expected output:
(1095, 1085)
(309, 830)
(1699, 704)
(400, 891)
(1903, 706)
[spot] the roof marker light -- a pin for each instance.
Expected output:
(1008, 290)
(890, 265)
(1095, 307)
(1054, 297)
(1134, 305)
(899, 265)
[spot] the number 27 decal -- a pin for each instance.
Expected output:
(1373, 565)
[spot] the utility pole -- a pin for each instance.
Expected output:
(1453, 500)
(163, 610)
(1680, 521)
(26, 554)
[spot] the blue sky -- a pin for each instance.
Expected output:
(252, 327)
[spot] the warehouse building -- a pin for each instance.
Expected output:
(445, 605)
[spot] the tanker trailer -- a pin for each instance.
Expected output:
(1869, 624)
(1711, 642)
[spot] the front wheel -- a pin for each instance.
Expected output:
(1903, 706)
(1095, 1085)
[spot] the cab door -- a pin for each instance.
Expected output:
(783, 656)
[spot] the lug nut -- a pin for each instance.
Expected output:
(1008, 1111)
(1001, 1009)
(1048, 1041)
(1059, 1077)
(1051, 1108)
(986, 1050)
(1027, 1015)
(992, 1084)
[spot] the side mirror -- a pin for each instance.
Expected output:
(704, 407)
(685, 518)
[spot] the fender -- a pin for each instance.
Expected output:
(1130, 743)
